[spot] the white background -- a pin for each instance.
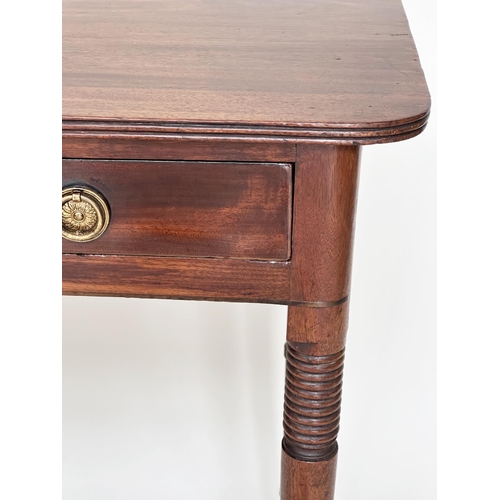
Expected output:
(183, 400)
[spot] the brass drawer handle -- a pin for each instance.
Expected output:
(85, 214)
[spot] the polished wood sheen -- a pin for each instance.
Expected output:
(326, 182)
(176, 278)
(313, 390)
(307, 480)
(114, 145)
(201, 209)
(226, 137)
(303, 69)
(315, 353)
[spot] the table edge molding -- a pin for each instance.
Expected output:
(353, 133)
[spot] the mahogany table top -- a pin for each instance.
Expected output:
(294, 68)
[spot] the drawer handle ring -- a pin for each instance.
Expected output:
(85, 214)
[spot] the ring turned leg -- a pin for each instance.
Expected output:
(314, 364)
(325, 187)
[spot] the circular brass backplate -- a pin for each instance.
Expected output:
(85, 214)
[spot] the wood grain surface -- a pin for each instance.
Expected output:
(202, 209)
(330, 69)
(176, 278)
(325, 193)
(313, 390)
(314, 354)
(111, 145)
(303, 83)
(318, 330)
(307, 480)
(317, 272)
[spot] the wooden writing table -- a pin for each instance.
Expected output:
(211, 152)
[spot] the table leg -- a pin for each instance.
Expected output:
(314, 363)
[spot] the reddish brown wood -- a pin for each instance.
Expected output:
(313, 390)
(269, 136)
(240, 210)
(160, 147)
(325, 189)
(318, 330)
(176, 278)
(314, 365)
(309, 67)
(307, 480)
(299, 82)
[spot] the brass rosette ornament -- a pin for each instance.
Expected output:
(85, 214)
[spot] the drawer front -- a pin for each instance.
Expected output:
(190, 209)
